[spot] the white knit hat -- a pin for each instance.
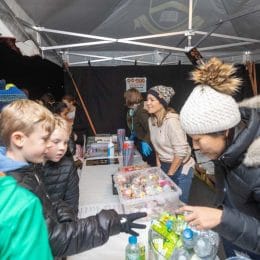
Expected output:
(210, 107)
(207, 111)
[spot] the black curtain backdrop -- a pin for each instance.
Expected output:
(102, 89)
(33, 73)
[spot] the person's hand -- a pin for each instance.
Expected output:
(127, 224)
(145, 148)
(202, 218)
(132, 136)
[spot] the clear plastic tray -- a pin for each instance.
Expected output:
(149, 190)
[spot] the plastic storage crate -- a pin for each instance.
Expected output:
(149, 190)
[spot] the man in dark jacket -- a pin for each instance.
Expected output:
(229, 135)
(21, 123)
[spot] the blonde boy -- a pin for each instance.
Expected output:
(24, 129)
(60, 174)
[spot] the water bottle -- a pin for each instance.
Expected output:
(204, 248)
(132, 251)
(188, 238)
(110, 148)
(180, 254)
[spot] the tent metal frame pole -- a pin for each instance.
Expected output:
(119, 59)
(136, 55)
(104, 58)
(81, 35)
(132, 40)
(160, 35)
(134, 61)
(138, 40)
(87, 55)
(151, 45)
(189, 37)
(75, 45)
(225, 46)
(87, 61)
(229, 37)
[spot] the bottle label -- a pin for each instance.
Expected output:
(142, 252)
(132, 256)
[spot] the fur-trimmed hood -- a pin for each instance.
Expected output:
(252, 157)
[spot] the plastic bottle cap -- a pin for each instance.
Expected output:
(187, 233)
(132, 240)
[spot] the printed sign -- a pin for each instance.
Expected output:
(138, 83)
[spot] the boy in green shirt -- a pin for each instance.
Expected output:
(22, 228)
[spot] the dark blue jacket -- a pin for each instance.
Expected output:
(240, 167)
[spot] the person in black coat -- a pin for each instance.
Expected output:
(62, 181)
(59, 171)
(229, 134)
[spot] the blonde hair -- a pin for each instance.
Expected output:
(22, 115)
(62, 123)
(132, 96)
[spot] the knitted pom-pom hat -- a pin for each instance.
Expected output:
(210, 107)
(162, 93)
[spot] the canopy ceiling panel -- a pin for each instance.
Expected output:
(106, 28)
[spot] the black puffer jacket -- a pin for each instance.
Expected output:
(67, 234)
(61, 181)
(240, 165)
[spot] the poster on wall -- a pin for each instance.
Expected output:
(138, 83)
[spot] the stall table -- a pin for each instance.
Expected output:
(95, 187)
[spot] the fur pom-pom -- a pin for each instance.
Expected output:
(217, 75)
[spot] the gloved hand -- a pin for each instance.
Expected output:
(127, 224)
(145, 148)
(132, 136)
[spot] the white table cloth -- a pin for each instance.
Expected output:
(96, 194)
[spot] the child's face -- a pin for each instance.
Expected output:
(57, 145)
(34, 146)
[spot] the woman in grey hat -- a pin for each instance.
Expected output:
(229, 134)
(169, 140)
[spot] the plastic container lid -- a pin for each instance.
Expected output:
(132, 240)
